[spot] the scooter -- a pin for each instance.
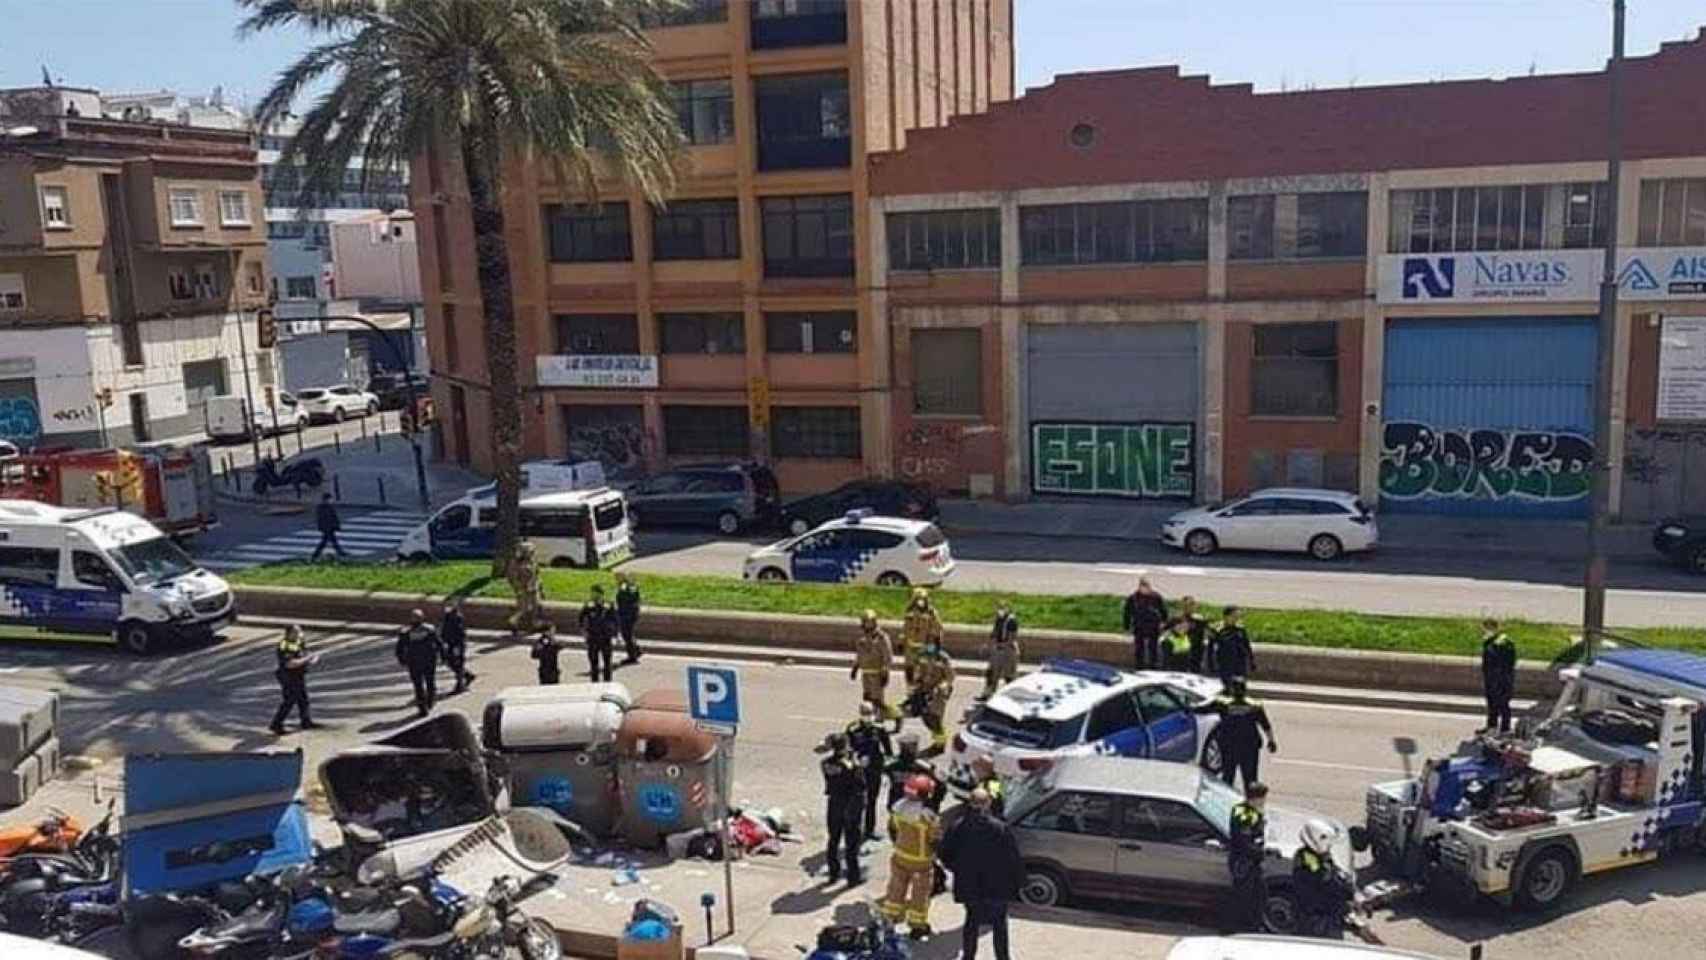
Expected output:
(306, 472)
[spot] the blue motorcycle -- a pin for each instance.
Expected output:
(877, 939)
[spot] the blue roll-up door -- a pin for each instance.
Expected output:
(1488, 417)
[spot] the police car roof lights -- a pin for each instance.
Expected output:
(862, 513)
(1084, 670)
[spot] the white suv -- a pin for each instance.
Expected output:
(1322, 523)
(336, 403)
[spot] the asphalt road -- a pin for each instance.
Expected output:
(221, 697)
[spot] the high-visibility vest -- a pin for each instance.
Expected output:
(916, 830)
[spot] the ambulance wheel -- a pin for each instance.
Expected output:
(135, 637)
(1546, 879)
(891, 579)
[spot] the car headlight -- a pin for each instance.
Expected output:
(179, 608)
(1673, 531)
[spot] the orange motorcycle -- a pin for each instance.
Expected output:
(56, 833)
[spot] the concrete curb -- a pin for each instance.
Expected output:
(1356, 670)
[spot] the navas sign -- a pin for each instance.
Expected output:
(1653, 273)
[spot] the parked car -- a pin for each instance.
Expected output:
(1078, 708)
(888, 498)
(858, 548)
(337, 403)
(1107, 828)
(1683, 539)
(728, 496)
(225, 417)
(1325, 524)
(392, 389)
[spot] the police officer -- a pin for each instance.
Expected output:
(844, 788)
(453, 645)
(1003, 651)
(293, 663)
(1324, 891)
(1195, 627)
(1243, 727)
(598, 626)
(1145, 613)
(871, 746)
(920, 628)
(628, 614)
(1498, 674)
(873, 658)
(984, 778)
(907, 764)
(1244, 858)
(546, 649)
(417, 652)
(932, 688)
(1230, 647)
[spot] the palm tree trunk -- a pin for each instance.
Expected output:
(481, 159)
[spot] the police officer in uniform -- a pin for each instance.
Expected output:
(293, 663)
(598, 625)
(844, 788)
(1144, 614)
(1230, 647)
(1243, 727)
(1244, 855)
(628, 614)
(546, 649)
(1003, 651)
(1324, 891)
(870, 744)
(417, 652)
(907, 764)
(1195, 627)
(1498, 674)
(984, 778)
(453, 645)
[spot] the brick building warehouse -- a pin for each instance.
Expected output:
(1141, 284)
(731, 324)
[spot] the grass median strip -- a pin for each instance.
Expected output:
(1460, 636)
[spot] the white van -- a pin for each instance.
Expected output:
(68, 574)
(579, 528)
(225, 417)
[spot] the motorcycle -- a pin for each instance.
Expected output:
(39, 890)
(55, 833)
(876, 939)
(491, 929)
(306, 472)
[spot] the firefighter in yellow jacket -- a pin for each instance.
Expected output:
(922, 627)
(873, 657)
(932, 688)
(916, 831)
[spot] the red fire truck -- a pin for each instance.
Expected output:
(171, 486)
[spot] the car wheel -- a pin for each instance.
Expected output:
(1213, 759)
(1201, 543)
(372, 408)
(1546, 879)
(798, 526)
(1697, 560)
(891, 578)
(728, 523)
(1043, 887)
(772, 575)
(1325, 547)
(338, 414)
(135, 637)
(1280, 912)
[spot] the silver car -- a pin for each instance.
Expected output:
(1122, 829)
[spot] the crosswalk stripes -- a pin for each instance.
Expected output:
(369, 536)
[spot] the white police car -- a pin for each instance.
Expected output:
(1076, 707)
(858, 548)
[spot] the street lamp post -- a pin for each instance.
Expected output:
(414, 394)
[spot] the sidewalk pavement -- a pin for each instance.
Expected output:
(360, 476)
(1410, 534)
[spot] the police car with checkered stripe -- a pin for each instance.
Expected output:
(858, 548)
(1076, 708)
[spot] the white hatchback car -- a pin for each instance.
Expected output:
(858, 548)
(336, 403)
(1322, 523)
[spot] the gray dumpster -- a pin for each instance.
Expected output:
(666, 768)
(558, 743)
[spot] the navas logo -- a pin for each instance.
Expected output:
(1428, 278)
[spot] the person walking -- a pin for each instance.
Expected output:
(916, 830)
(921, 627)
(1144, 615)
(981, 853)
(932, 688)
(417, 652)
(628, 614)
(870, 744)
(1498, 675)
(546, 649)
(598, 626)
(844, 792)
(1245, 853)
(1243, 727)
(873, 658)
(327, 520)
(292, 672)
(1003, 651)
(1230, 647)
(453, 645)
(1195, 627)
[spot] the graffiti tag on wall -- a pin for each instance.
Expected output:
(1419, 461)
(1114, 459)
(20, 422)
(620, 447)
(928, 451)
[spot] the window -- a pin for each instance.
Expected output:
(180, 283)
(1673, 213)
(712, 333)
(945, 240)
(1158, 703)
(609, 516)
(872, 540)
(453, 519)
(55, 208)
(706, 109)
(804, 121)
(947, 372)
(1089, 814)
(697, 230)
(1332, 225)
(300, 288)
(1141, 231)
(1113, 715)
(184, 204)
(254, 278)
(29, 567)
(821, 432)
(560, 522)
(687, 12)
(11, 291)
(1260, 507)
(1296, 370)
(92, 571)
(705, 432)
(589, 234)
(1165, 821)
(1250, 228)
(810, 236)
(233, 208)
(598, 334)
(1547, 216)
(810, 332)
(798, 23)
(452, 346)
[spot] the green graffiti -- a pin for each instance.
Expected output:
(1418, 461)
(1123, 460)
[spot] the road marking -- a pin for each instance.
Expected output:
(1169, 570)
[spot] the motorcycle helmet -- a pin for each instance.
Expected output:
(1318, 835)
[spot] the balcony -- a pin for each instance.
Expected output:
(779, 24)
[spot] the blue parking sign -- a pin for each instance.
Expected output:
(713, 694)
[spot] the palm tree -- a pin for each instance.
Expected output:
(492, 83)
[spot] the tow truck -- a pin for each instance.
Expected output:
(1611, 777)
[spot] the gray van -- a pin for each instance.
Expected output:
(727, 496)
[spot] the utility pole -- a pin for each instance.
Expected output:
(1593, 587)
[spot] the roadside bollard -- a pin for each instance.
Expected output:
(382, 491)
(376, 435)
(299, 440)
(338, 442)
(337, 488)
(363, 423)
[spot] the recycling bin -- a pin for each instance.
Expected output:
(666, 768)
(558, 745)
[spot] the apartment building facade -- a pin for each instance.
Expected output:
(1137, 284)
(735, 322)
(132, 255)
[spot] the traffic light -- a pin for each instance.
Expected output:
(104, 396)
(266, 329)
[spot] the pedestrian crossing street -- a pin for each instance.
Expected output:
(370, 536)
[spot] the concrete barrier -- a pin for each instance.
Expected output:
(1276, 663)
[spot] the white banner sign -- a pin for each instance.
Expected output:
(1682, 369)
(598, 370)
(1649, 274)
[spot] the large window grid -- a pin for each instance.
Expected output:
(809, 236)
(715, 334)
(589, 234)
(1673, 213)
(598, 334)
(1295, 370)
(945, 240)
(827, 332)
(697, 230)
(706, 109)
(1546, 216)
(804, 121)
(695, 431)
(1137, 231)
(830, 433)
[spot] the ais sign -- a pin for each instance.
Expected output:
(1151, 460)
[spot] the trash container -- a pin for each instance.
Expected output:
(558, 745)
(666, 769)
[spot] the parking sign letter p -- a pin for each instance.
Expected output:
(712, 689)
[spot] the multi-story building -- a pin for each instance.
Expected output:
(1141, 284)
(738, 311)
(132, 255)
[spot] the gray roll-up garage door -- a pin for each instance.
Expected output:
(1113, 408)
(203, 379)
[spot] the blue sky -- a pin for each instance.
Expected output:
(129, 45)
